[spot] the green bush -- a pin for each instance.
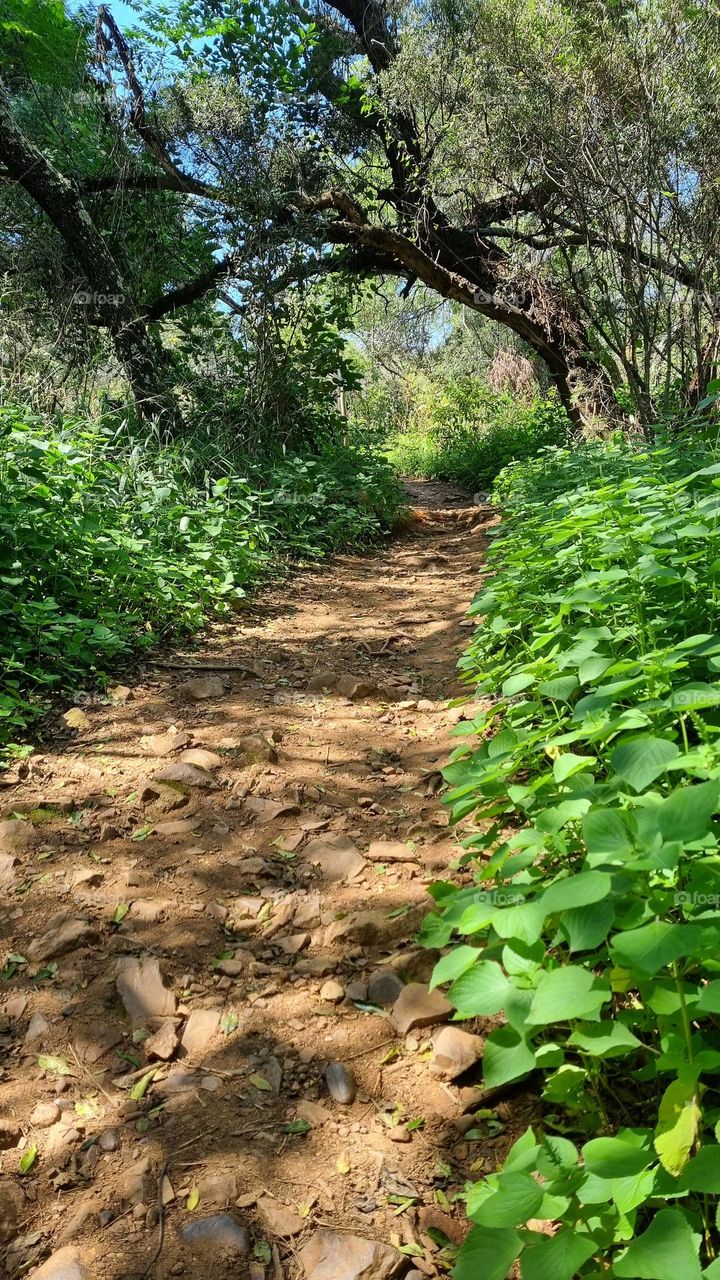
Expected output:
(108, 544)
(593, 924)
(475, 433)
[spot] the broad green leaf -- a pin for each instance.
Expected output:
(686, 814)
(561, 689)
(586, 927)
(678, 1119)
(488, 1253)
(578, 890)
(556, 1257)
(455, 963)
(507, 1057)
(615, 1158)
(515, 1197)
(605, 1040)
(568, 764)
(564, 994)
(702, 1173)
(604, 831)
(482, 990)
(668, 1250)
(639, 761)
(653, 946)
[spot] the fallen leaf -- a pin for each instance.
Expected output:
(58, 1066)
(343, 1162)
(27, 1161)
(260, 1083)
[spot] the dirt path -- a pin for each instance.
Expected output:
(245, 902)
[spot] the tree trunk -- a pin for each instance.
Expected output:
(108, 296)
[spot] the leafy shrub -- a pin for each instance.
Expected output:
(593, 923)
(475, 433)
(106, 544)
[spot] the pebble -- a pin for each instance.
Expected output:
(65, 1264)
(454, 1051)
(10, 1134)
(418, 1006)
(12, 1204)
(220, 1233)
(44, 1114)
(384, 987)
(142, 990)
(332, 991)
(341, 1083)
(331, 1256)
(109, 1140)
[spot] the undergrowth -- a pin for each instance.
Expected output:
(474, 433)
(108, 544)
(592, 931)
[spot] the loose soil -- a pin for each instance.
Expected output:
(327, 709)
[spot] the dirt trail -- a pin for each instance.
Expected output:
(243, 890)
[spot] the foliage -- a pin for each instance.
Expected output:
(474, 433)
(593, 922)
(109, 543)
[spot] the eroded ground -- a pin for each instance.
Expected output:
(243, 897)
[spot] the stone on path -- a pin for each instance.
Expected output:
(44, 1114)
(384, 987)
(12, 1205)
(200, 1028)
(391, 851)
(314, 1112)
(141, 988)
(10, 1133)
(203, 687)
(163, 1043)
(332, 992)
(65, 1264)
(64, 933)
(202, 759)
(278, 1219)
(418, 1006)
(219, 1234)
(341, 1083)
(336, 856)
(184, 775)
(329, 1255)
(16, 836)
(454, 1051)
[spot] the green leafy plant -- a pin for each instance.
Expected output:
(108, 543)
(592, 783)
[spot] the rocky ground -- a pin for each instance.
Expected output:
(220, 1057)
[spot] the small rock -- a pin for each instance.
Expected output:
(316, 966)
(356, 990)
(399, 1133)
(217, 1190)
(454, 1051)
(141, 988)
(76, 718)
(337, 857)
(10, 1134)
(391, 851)
(203, 687)
(184, 775)
(208, 760)
(64, 933)
(109, 1140)
(278, 1219)
(44, 1114)
(384, 987)
(341, 1083)
(271, 1071)
(332, 991)
(418, 1006)
(12, 1205)
(293, 943)
(232, 968)
(177, 827)
(96, 1040)
(64, 1264)
(219, 1234)
(163, 1043)
(200, 1028)
(331, 1256)
(313, 1112)
(16, 836)
(38, 1028)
